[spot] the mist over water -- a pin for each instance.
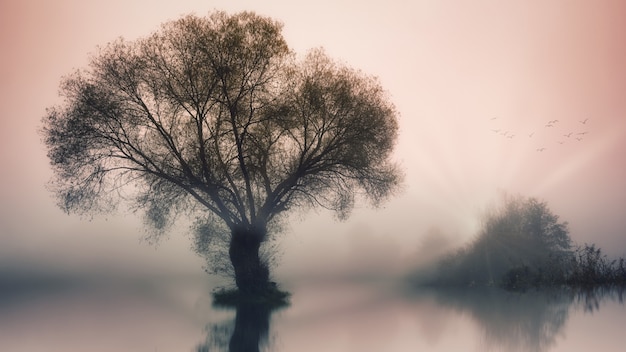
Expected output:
(177, 313)
(352, 287)
(352, 290)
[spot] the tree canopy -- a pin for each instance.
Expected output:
(215, 110)
(215, 117)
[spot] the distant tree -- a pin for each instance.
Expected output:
(213, 118)
(521, 242)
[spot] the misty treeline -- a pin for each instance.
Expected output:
(522, 244)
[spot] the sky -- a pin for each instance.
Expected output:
(524, 97)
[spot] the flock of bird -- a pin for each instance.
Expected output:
(578, 135)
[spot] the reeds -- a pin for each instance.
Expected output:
(591, 268)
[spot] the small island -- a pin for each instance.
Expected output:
(523, 245)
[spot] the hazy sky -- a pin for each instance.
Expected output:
(475, 82)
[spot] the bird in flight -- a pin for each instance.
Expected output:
(582, 133)
(549, 124)
(496, 131)
(568, 135)
(530, 135)
(584, 121)
(579, 139)
(553, 121)
(541, 149)
(493, 118)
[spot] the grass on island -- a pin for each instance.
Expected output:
(231, 297)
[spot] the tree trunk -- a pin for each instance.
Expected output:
(251, 273)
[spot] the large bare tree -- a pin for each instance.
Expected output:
(213, 117)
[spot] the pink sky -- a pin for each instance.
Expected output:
(449, 66)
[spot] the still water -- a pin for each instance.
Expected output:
(176, 314)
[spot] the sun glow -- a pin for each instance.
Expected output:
(573, 163)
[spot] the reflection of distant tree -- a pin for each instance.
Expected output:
(529, 321)
(249, 333)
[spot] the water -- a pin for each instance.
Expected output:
(176, 314)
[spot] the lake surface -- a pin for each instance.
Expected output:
(176, 314)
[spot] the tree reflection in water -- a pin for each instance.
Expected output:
(591, 298)
(535, 320)
(247, 333)
(523, 321)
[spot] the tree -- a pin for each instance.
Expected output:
(524, 240)
(520, 243)
(213, 117)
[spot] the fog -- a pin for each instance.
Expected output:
(456, 72)
(478, 86)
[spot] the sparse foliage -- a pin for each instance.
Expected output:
(213, 117)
